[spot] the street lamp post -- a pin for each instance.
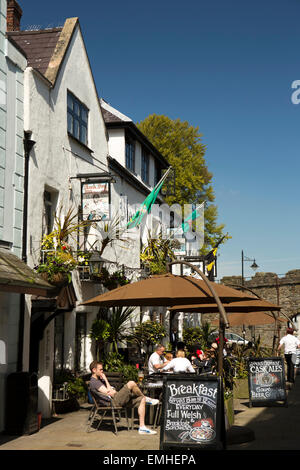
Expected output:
(253, 265)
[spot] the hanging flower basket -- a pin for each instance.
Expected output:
(60, 279)
(57, 279)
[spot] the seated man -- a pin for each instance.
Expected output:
(157, 360)
(129, 395)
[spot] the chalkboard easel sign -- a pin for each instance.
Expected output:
(192, 413)
(266, 380)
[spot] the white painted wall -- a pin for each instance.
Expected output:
(55, 159)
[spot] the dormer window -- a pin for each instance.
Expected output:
(77, 119)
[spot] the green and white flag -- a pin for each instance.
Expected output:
(148, 203)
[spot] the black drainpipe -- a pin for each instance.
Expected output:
(28, 145)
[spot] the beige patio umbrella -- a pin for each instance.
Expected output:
(167, 290)
(252, 319)
(248, 305)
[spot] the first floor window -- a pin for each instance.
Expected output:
(77, 119)
(145, 167)
(129, 154)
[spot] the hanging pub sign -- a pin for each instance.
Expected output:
(266, 380)
(95, 200)
(193, 413)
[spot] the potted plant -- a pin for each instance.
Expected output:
(157, 252)
(110, 327)
(241, 389)
(147, 334)
(68, 391)
(111, 281)
(114, 362)
(57, 260)
(57, 267)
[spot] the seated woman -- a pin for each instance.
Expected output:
(206, 364)
(179, 364)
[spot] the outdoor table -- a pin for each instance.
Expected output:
(152, 387)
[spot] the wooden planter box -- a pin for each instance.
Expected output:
(229, 412)
(241, 388)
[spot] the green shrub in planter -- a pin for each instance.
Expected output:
(241, 388)
(229, 410)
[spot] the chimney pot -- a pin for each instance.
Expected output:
(14, 15)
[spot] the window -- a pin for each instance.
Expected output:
(129, 154)
(77, 119)
(145, 167)
(49, 209)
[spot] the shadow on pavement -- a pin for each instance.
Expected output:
(276, 427)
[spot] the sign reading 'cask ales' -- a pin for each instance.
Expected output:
(193, 412)
(266, 379)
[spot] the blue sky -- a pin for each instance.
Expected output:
(226, 67)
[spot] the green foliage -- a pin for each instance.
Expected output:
(57, 253)
(77, 387)
(111, 281)
(57, 262)
(192, 336)
(156, 253)
(260, 351)
(99, 333)
(114, 362)
(109, 231)
(64, 227)
(181, 144)
(119, 316)
(197, 335)
(147, 334)
(109, 326)
(129, 372)
(99, 330)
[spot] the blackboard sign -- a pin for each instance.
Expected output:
(192, 412)
(266, 380)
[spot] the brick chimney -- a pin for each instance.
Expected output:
(14, 14)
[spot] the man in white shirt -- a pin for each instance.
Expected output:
(290, 343)
(157, 360)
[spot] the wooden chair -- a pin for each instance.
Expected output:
(99, 411)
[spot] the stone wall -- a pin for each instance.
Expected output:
(284, 291)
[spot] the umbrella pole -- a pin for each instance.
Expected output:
(221, 347)
(223, 317)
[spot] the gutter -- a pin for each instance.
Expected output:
(28, 145)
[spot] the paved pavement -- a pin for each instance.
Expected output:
(274, 428)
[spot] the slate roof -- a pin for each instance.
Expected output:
(109, 117)
(16, 276)
(38, 46)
